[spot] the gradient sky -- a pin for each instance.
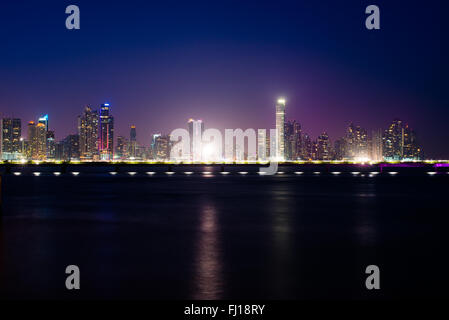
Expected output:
(226, 62)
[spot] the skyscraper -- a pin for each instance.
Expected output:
(356, 142)
(106, 133)
(133, 142)
(88, 134)
(10, 133)
(323, 147)
(292, 140)
(262, 145)
(196, 129)
(51, 145)
(37, 136)
(161, 147)
(376, 145)
(123, 148)
(280, 127)
(392, 141)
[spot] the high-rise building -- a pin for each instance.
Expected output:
(280, 127)
(356, 142)
(307, 148)
(292, 140)
(392, 141)
(50, 145)
(376, 145)
(37, 135)
(161, 147)
(10, 135)
(88, 134)
(340, 149)
(123, 148)
(196, 130)
(323, 147)
(262, 145)
(133, 142)
(70, 148)
(411, 149)
(106, 133)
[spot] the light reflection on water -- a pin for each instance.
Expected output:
(208, 265)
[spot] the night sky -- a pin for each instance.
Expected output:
(226, 62)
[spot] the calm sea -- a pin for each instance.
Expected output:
(289, 236)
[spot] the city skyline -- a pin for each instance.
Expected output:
(95, 141)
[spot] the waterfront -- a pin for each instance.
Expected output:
(214, 236)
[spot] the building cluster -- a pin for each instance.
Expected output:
(95, 141)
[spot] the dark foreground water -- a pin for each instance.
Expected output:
(225, 237)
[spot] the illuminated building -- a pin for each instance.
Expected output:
(88, 134)
(280, 127)
(307, 148)
(10, 135)
(37, 136)
(106, 134)
(262, 145)
(392, 141)
(133, 142)
(196, 129)
(51, 145)
(323, 147)
(376, 145)
(356, 142)
(410, 149)
(293, 141)
(161, 147)
(123, 148)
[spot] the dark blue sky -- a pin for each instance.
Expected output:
(226, 62)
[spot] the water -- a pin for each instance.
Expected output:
(224, 237)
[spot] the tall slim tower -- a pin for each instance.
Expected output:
(88, 132)
(280, 127)
(132, 141)
(106, 133)
(196, 129)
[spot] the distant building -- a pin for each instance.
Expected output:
(51, 145)
(196, 130)
(356, 143)
(280, 127)
(133, 142)
(10, 138)
(88, 134)
(71, 148)
(376, 145)
(323, 147)
(161, 147)
(123, 148)
(340, 149)
(293, 141)
(262, 145)
(106, 133)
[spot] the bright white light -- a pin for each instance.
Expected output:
(281, 101)
(151, 173)
(113, 173)
(17, 173)
(262, 173)
(207, 172)
(209, 151)
(336, 173)
(56, 173)
(132, 173)
(393, 173)
(355, 173)
(169, 172)
(37, 174)
(280, 172)
(374, 173)
(188, 172)
(23, 161)
(299, 172)
(224, 172)
(243, 172)
(317, 172)
(75, 173)
(431, 173)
